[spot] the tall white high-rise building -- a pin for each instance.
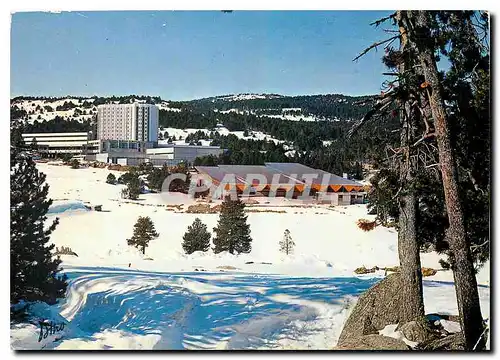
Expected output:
(136, 121)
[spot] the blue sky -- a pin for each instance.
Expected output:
(185, 55)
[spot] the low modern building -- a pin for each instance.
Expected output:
(280, 179)
(187, 153)
(128, 152)
(51, 144)
(135, 121)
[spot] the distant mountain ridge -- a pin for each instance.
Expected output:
(237, 111)
(332, 107)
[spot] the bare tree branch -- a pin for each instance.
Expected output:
(425, 136)
(375, 45)
(380, 21)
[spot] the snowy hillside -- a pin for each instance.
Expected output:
(239, 97)
(82, 109)
(221, 130)
(121, 299)
(70, 108)
(41, 110)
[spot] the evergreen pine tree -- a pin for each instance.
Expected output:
(133, 187)
(111, 179)
(197, 238)
(156, 178)
(459, 107)
(144, 232)
(232, 231)
(34, 271)
(287, 244)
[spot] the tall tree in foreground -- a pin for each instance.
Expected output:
(232, 233)
(197, 238)
(402, 99)
(144, 232)
(287, 244)
(408, 245)
(34, 270)
(418, 25)
(457, 101)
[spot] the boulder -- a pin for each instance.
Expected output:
(418, 331)
(450, 342)
(372, 342)
(379, 306)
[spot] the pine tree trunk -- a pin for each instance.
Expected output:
(408, 249)
(463, 269)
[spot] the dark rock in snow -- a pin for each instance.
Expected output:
(379, 306)
(418, 331)
(450, 342)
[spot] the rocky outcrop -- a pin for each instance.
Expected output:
(450, 342)
(418, 331)
(382, 305)
(376, 308)
(372, 342)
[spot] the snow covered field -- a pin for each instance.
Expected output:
(120, 299)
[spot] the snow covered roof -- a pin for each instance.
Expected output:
(216, 173)
(272, 176)
(299, 171)
(280, 173)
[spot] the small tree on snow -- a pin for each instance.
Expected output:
(133, 188)
(287, 244)
(144, 232)
(232, 233)
(111, 179)
(197, 238)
